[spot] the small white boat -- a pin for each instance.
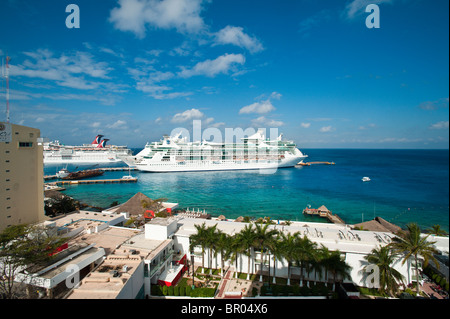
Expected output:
(63, 173)
(128, 177)
(365, 179)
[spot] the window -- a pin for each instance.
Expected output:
(25, 144)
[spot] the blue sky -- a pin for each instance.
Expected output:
(136, 69)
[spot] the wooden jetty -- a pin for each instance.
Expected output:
(94, 181)
(314, 163)
(323, 212)
(105, 169)
(116, 169)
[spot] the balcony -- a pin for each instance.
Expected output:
(162, 259)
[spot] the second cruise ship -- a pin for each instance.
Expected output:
(175, 154)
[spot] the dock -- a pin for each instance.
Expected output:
(314, 163)
(323, 212)
(105, 169)
(117, 169)
(94, 181)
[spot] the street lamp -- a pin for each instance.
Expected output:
(192, 263)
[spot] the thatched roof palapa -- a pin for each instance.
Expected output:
(323, 209)
(134, 205)
(378, 224)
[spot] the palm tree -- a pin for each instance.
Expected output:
(199, 238)
(412, 244)
(223, 247)
(383, 258)
(247, 237)
(262, 236)
(236, 248)
(304, 254)
(437, 230)
(153, 204)
(211, 241)
(338, 267)
(276, 249)
(288, 250)
(322, 261)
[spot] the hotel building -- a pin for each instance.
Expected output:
(21, 176)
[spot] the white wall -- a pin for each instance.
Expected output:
(134, 284)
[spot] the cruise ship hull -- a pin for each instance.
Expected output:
(81, 160)
(161, 167)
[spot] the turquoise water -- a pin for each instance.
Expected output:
(406, 186)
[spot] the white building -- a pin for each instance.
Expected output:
(123, 263)
(353, 245)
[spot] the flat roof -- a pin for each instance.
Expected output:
(103, 283)
(109, 238)
(332, 236)
(147, 248)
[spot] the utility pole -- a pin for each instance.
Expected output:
(7, 88)
(5, 74)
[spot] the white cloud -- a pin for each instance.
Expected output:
(312, 22)
(118, 125)
(135, 15)
(358, 7)
(222, 64)
(371, 125)
(439, 125)
(258, 107)
(192, 114)
(305, 125)
(434, 105)
(150, 83)
(236, 36)
(263, 121)
(66, 70)
(326, 129)
(275, 95)
(261, 107)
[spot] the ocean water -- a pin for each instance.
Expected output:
(406, 186)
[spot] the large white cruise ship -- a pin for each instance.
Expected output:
(175, 154)
(95, 153)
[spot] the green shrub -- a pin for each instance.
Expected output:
(188, 290)
(263, 290)
(438, 279)
(276, 290)
(409, 291)
(176, 291)
(304, 291)
(170, 290)
(285, 290)
(165, 290)
(203, 292)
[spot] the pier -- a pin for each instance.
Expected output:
(314, 163)
(105, 169)
(323, 212)
(116, 169)
(94, 181)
